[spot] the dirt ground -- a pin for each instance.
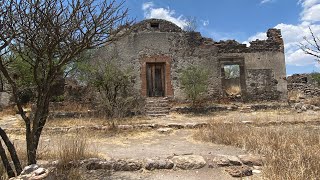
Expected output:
(152, 144)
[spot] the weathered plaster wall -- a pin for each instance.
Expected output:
(263, 62)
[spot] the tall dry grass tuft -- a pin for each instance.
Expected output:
(290, 152)
(71, 150)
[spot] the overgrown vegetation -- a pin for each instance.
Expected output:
(49, 35)
(290, 152)
(194, 80)
(316, 77)
(116, 96)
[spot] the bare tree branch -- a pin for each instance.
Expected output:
(311, 46)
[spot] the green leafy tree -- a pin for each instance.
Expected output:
(116, 95)
(194, 80)
(49, 35)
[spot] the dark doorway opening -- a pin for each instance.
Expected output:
(156, 79)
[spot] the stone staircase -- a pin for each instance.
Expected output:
(157, 106)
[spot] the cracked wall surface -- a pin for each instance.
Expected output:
(263, 63)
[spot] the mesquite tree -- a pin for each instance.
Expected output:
(311, 46)
(50, 34)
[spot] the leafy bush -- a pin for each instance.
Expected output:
(316, 77)
(115, 94)
(194, 80)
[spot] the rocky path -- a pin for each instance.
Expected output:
(191, 159)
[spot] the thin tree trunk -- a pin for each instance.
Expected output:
(39, 120)
(12, 151)
(5, 162)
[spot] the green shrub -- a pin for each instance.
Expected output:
(194, 80)
(316, 77)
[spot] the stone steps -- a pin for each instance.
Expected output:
(157, 107)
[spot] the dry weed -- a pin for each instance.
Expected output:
(295, 95)
(233, 90)
(291, 152)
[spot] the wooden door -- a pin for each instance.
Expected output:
(156, 79)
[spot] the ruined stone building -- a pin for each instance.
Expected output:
(157, 51)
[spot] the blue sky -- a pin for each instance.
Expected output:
(242, 20)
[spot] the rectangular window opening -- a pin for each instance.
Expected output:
(232, 80)
(155, 25)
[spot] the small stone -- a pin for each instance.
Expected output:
(239, 171)
(152, 164)
(233, 160)
(39, 171)
(165, 130)
(188, 162)
(29, 169)
(255, 171)
(251, 160)
(221, 161)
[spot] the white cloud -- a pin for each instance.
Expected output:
(150, 11)
(205, 22)
(265, 1)
(293, 34)
(147, 5)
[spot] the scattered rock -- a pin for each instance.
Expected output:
(152, 164)
(116, 165)
(221, 161)
(39, 171)
(255, 171)
(165, 130)
(29, 169)
(127, 165)
(187, 162)
(251, 160)
(233, 160)
(34, 172)
(239, 171)
(175, 125)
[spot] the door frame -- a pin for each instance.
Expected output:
(152, 79)
(168, 90)
(234, 61)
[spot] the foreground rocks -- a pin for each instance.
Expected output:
(189, 162)
(236, 166)
(34, 172)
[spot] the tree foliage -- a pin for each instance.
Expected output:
(48, 35)
(114, 83)
(231, 71)
(194, 80)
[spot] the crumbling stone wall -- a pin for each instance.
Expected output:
(262, 61)
(303, 83)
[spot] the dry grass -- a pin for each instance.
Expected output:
(294, 95)
(11, 110)
(70, 122)
(291, 152)
(314, 101)
(264, 116)
(69, 152)
(233, 90)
